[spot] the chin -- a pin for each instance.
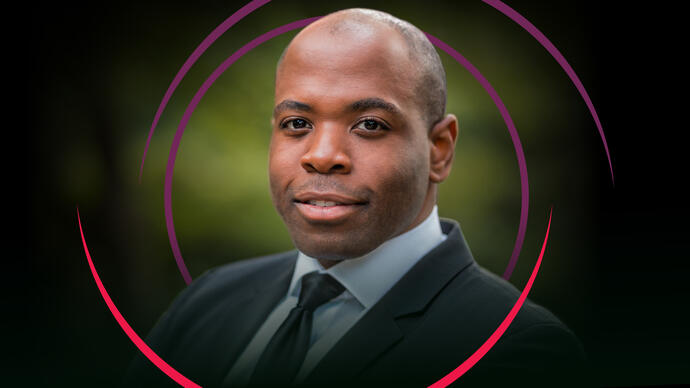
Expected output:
(330, 252)
(330, 249)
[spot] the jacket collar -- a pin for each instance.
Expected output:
(377, 330)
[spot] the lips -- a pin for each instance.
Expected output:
(327, 207)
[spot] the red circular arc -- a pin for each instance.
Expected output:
(443, 382)
(491, 341)
(138, 342)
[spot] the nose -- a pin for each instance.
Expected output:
(326, 153)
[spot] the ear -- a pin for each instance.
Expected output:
(442, 140)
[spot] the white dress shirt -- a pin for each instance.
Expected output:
(366, 279)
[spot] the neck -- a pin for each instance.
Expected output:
(326, 264)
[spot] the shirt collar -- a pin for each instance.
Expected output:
(369, 277)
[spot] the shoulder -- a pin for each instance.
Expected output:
(191, 325)
(491, 297)
(233, 278)
(504, 295)
(239, 271)
(537, 347)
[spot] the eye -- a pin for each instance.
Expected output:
(371, 125)
(295, 124)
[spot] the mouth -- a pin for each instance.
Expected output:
(327, 207)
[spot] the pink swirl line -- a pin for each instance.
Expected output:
(145, 349)
(477, 355)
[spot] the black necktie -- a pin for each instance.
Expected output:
(284, 354)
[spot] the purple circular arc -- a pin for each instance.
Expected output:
(524, 184)
(522, 163)
(253, 5)
(497, 4)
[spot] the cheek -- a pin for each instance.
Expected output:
(402, 176)
(279, 168)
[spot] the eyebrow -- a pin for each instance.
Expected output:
(357, 106)
(373, 103)
(291, 105)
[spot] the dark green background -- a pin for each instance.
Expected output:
(93, 77)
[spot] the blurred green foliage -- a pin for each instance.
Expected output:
(220, 197)
(221, 203)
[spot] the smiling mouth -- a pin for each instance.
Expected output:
(327, 211)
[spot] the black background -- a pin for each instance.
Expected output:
(639, 318)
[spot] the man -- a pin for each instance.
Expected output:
(379, 291)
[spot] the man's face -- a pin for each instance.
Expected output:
(349, 155)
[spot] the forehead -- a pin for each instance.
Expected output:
(344, 66)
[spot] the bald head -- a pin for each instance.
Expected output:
(417, 57)
(360, 141)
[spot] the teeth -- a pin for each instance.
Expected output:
(322, 203)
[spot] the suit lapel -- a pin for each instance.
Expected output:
(266, 293)
(427, 278)
(377, 330)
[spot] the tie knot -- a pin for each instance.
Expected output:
(317, 289)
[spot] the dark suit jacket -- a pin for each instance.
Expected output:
(433, 319)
